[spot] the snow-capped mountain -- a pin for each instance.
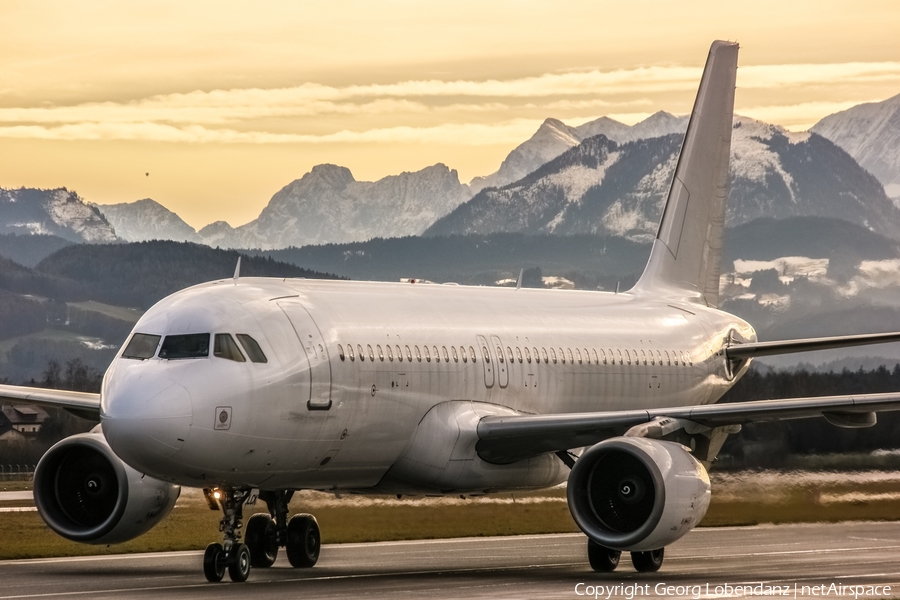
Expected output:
(329, 205)
(604, 187)
(56, 212)
(146, 220)
(870, 133)
(554, 137)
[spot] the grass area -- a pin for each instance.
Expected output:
(738, 499)
(56, 335)
(16, 485)
(116, 312)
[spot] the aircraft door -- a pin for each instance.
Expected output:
(316, 353)
(486, 362)
(502, 368)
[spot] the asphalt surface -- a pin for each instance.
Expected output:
(546, 566)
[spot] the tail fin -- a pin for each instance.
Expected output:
(687, 253)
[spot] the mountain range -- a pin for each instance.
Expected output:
(563, 179)
(604, 187)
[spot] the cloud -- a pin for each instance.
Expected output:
(470, 134)
(797, 117)
(245, 115)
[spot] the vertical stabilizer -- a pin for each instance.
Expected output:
(687, 253)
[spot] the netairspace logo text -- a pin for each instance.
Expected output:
(726, 590)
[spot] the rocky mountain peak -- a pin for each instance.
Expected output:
(57, 212)
(870, 133)
(145, 220)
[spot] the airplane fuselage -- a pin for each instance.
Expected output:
(352, 369)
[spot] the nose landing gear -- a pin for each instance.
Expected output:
(231, 554)
(263, 536)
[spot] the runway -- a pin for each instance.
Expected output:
(546, 566)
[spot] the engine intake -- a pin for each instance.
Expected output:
(637, 494)
(85, 493)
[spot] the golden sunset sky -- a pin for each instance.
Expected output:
(224, 103)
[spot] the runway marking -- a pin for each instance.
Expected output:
(299, 579)
(782, 552)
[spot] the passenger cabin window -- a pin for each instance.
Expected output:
(380, 352)
(455, 355)
(349, 353)
(437, 355)
(571, 358)
(399, 354)
(485, 354)
(527, 355)
(418, 354)
(500, 353)
(370, 352)
(359, 349)
(472, 353)
(619, 352)
(444, 352)
(225, 347)
(519, 353)
(509, 355)
(427, 354)
(192, 345)
(553, 355)
(341, 352)
(142, 346)
(390, 353)
(408, 353)
(603, 353)
(544, 354)
(578, 355)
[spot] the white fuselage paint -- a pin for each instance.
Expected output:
(309, 419)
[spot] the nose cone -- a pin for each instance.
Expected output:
(146, 416)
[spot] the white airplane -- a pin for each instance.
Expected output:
(251, 387)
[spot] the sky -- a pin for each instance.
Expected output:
(211, 107)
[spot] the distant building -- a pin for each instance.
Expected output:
(23, 419)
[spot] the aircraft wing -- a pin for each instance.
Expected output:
(504, 439)
(86, 406)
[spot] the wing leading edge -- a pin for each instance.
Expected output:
(505, 439)
(86, 406)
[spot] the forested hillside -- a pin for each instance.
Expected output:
(142, 273)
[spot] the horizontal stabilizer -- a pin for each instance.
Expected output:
(744, 351)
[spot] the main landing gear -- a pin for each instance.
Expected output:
(605, 560)
(263, 535)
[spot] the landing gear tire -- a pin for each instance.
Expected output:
(303, 542)
(239, 563)
(261, 536)
(214, 562)
(648, 562)
(602, 559)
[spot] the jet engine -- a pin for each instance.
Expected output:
(85, 493)
(637, 494)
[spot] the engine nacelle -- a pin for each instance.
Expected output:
(85, 493)
(637, 494)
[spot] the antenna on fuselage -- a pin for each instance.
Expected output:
(519, 280)
(237, 271)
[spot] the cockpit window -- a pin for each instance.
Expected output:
(224, 347)
(255, 353)
(192, 345)
(142, 346)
